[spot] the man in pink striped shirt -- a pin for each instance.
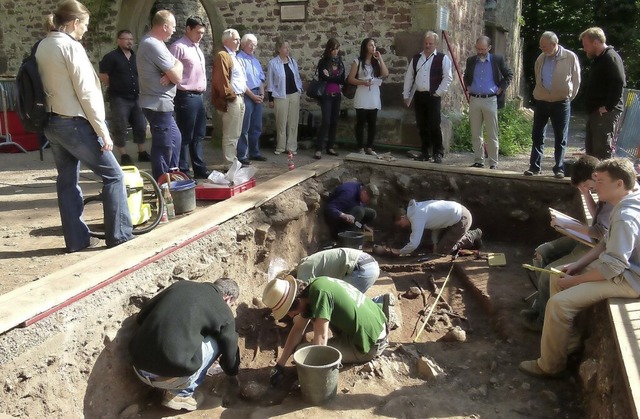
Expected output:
(191, 115)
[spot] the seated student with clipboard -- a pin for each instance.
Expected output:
(577, 239)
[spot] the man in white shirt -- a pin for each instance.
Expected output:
(229, 85)
(448, 221)
(427, 78)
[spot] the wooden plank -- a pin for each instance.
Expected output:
(35, 298)
(625, 316)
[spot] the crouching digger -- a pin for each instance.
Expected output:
(448, 221)
(357, 323)
(351, 265)
(182, 332)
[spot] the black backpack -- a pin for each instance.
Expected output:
(32, 102)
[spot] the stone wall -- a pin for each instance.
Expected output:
(396, 25)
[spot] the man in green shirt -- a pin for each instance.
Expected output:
(357, 323)
(351, 265)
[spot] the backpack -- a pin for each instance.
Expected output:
(32, 101)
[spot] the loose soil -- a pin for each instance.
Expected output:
(480, 377)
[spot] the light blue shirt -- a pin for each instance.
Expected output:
(276, 78)
(238, 76)
(547, 70)
(253, 70)
(483, 83)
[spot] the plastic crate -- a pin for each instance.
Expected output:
(204, 193)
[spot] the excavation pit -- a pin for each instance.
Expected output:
(74, 362)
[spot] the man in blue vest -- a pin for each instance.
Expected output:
(486, 78)
(428, 78)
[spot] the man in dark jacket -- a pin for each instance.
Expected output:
(486, 77)
(346, 207)
(602, 93)
(183, 331)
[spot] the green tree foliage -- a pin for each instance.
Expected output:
(568, 18)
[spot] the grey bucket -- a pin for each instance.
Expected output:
(352, 239)
(318, 370)
(183, 193)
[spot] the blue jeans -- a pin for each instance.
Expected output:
(330, 106)
(184, 386)
(72, 141)
(249, 141)
(191, 118)
(558, 113)
(363, 277)
(125, 112)
(165, 141)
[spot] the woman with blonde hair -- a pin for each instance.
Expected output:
(77, 131)
(367, 72)
(283, 88)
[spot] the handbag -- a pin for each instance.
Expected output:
(348, 89)
(316, 87)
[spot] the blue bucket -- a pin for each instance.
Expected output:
(183, 193)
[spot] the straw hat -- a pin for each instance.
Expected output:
(279, 294)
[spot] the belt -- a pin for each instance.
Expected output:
(483, 96)
(332, 94)
(190, 92)
(240, 94)
(65, 116)
(424, 92)
(162, 382)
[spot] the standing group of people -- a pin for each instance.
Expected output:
(558, 80)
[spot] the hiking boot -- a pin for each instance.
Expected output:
(175, 402)
(388, 302)
(143, 156)
(125, 160)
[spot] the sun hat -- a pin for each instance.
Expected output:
(279, 294)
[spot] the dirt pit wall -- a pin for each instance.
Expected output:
(75, 362)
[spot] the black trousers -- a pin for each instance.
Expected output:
(427, 108)
(368, 116)
(361, 214)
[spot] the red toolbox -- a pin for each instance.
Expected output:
(219, 193)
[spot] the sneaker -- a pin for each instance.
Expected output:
(277, 153)
(292, 152)
(143, 156)
(331, 152)
(493, 167)
(532, 324)
(558, 175)
(371, 152)
(361, 151)
(125, 160)
(388, 302)
(531, 172)
(477, 165)
(437, 158)
(175, 402)
(258, 158)
(245, 163)
(317, 155)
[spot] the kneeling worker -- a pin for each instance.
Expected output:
(353, 266)
(448, 221)
(183, 331)
(349, 205)
(357, 323)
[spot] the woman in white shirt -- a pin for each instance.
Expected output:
(77, 131)
(283, 89)
(367, 72)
